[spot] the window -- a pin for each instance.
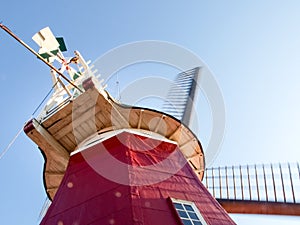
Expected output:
(188, 212)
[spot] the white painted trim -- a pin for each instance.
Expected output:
(98, 138)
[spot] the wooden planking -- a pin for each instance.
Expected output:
(58, 125)
(197, 162)
(120, 116)
(56, 155)
(54, 163)
(78, 109)
(134, 116)
(147, 116)
(87, 129)
(124, 117)
(71, 138)
(65, 115)
(140, 118)
(174, 134)
(188, 148)
(59, 133)
(63, 131)
(69, 145)
(92, 124)
(52, 191)
(184, 136)
(83, 116)
(53, 180)
(101, 121)
(62, 113)
(171, 126)
(129, 114)
(45, 140)
(79, 134)
(91, 113)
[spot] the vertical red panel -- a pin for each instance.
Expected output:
(87, 197)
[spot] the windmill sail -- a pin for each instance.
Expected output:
(260, 189)
(181, 97)
(256, 189)
(49, 44)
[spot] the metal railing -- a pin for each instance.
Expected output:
(278, 182)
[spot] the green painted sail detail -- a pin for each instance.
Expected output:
(76, 75)
(62, 44)
(47, 55)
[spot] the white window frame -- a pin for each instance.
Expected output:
(192, 204)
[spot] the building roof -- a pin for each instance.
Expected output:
(95, 112)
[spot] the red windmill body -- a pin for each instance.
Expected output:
(107, 163)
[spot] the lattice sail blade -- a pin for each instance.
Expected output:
(48, 43)
(182, 95)
(260, 189)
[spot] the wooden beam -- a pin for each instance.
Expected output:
(140, 119)
(260, 207)
(49, 139)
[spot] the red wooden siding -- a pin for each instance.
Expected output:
(86, 197)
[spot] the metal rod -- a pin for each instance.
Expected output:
(241, 177)
(206, 179)
(257, 187)
(265, 182)
(233, 182)
(220, 183)
(64, 86)
(298, 169)
(249, 182)
(292, 186)
(282, 183)
(213, 181)
(7, 30)
(227, 188)
(274, 186)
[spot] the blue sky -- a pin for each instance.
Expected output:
(252, 47)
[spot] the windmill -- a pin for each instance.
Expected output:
(271, 189)
(81, 118)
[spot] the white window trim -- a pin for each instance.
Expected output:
(192, 204)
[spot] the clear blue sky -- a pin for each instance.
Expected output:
(252, 47)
